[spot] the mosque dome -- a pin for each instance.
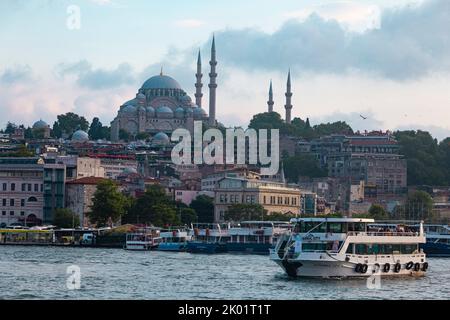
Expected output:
(161, 82)
(80, 136)
(140, 96)
(150, 111)
(179, 113)
(129, 170)
(40, 125)
(164, 112)
(142, 108)
(129, 109)
(186, 99)
(199, 113)
(161, 139)
(131, 102)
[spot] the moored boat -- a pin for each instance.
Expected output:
(209, 238)
(347, 247)
(174, 239)
(255, 236)
(146, 238)
(438, 240)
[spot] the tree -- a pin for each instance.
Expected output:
(188, 216)
(65, 218)
(10, 128)
(97, 130)
(68, 123)
(164, 215)
(108, 203)
(245, 211)
(302, 165)
(204, 207)
(377, 212)
(145, 208)
(142, 136)
(419, 206)
(124, 135)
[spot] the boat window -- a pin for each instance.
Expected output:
(314, 246)
(349, 248)
(360, 248)
(334, 227)
(396, 249)
(408, 248)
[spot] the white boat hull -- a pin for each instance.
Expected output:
(341, 269)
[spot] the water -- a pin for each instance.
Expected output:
(40, 273)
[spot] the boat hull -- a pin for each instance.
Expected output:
(203, 247)
(339, 269)
(436, 249)
(252, 248)
(174, 247)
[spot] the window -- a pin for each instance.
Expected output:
(11, 202)
(4, 186)
(360, 248)
(22, 202)
(334, 227)
(36, 187)
(11, 213)
(24, 187)
(29, 187)
(32, 199)
(22, 213)
(13, 187)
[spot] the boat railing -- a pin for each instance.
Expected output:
(383, 233)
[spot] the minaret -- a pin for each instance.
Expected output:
(288, 95)
(270, 102)
(198, 84)
(212, 85)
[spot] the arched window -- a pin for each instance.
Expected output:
(32, 199)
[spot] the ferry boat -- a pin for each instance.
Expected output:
(174, 239)
(347, 247)
(143, 239)
(209, 238)
(438, 240)
(255, 236)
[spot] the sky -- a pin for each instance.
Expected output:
(386, 60)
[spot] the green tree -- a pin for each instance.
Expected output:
(245, 211)
(419, 206)
(124, 135)
(108, 203)
(143, 209)
(65, 218)
(98, 131)
(302, 165)
(142, 136)
(68, 123)
(377, 212)
(204, 207)
(10, 127)
(188, 216)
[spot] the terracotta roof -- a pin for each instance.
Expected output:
(87, 180)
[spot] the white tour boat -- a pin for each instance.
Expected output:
(347, 247)
(143, 239)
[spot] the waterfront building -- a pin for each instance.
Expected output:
(273, 196)
(116, 165)
(21, 191)
(79, 195)
(54, 189)
(210, 181)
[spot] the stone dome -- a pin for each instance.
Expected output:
(129, 109)
(161, 139)
(161, 82)
(150, 111)
(164, 112)
(179, 113)
(80, 136)
(199, 113)
(186, 99)
(40, 125)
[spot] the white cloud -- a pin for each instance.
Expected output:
(189, 23)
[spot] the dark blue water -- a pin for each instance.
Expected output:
(40, 273)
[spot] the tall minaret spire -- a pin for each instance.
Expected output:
(288, 95)
(270, 102)
(212, 85)
(198, 84)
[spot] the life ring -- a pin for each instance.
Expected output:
(409, 265)
(376, 267)
(364, 268)
(417, 266)
(358, 268)
(387, 267)
(397, 267)
(425, 266)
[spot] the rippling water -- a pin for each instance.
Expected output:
(40, 273)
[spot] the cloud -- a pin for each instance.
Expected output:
(411, 42)
(16, 74)
(88, 77)
(189, 23)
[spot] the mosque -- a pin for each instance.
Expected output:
(161, 105)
